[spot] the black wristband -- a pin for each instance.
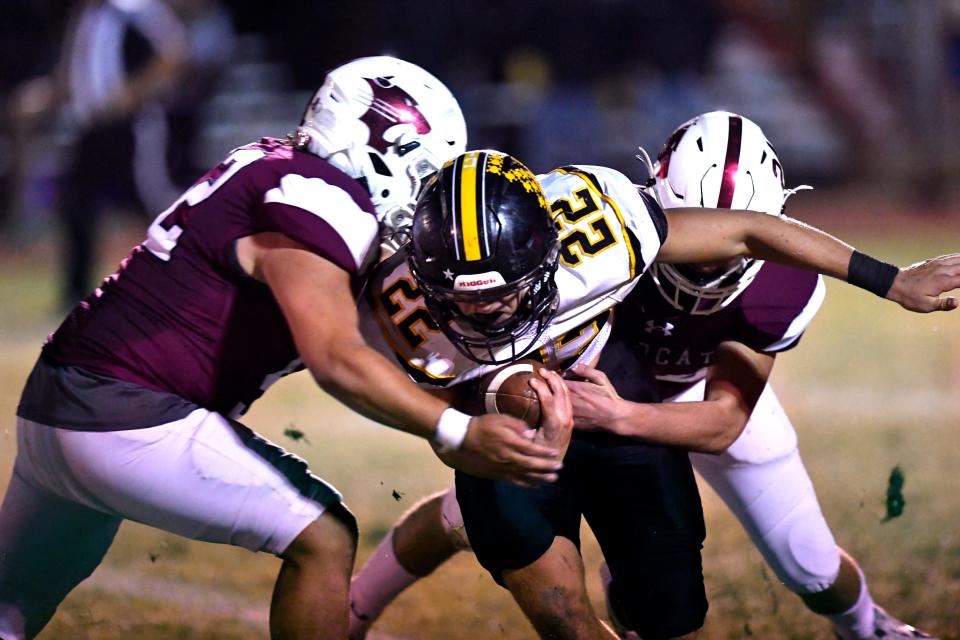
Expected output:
(871, 274)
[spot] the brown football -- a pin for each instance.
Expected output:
(507, 390)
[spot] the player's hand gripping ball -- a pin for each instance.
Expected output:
(507, 390)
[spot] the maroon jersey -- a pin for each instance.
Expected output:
(770, 315)
(181, 317)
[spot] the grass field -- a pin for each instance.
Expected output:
(870, 387)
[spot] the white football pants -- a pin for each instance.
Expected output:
(761, 478)
(202, 477)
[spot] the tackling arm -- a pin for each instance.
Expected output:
(316, 300)
(734, 383)
(704, 235)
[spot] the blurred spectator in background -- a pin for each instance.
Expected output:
(127, 85)
(33, 26)
(851, 89)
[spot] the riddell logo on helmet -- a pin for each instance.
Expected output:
(477, 281)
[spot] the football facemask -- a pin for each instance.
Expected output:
(483, 239)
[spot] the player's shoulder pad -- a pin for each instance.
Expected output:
(785, 300)
(317, 204)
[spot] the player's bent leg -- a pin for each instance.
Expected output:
(428, 535)
(645, 512)
(618, 625)
(453, 525)
(518, 534)
(552, 594)
(762, 480)
(842, 594)
(48, 545)
(848, 605)
(311, 598)
(204, 477)
(39, 563)
(776, 504)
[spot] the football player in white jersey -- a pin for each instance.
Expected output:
(454, 260)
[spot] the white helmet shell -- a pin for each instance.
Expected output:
(388, 123)
(716, 160)
(720, 160)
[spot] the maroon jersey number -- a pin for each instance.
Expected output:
(163, 234)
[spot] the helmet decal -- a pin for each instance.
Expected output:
(470, 229)
(668, 148)
(389, 107)
(469, 178)
(478, 281)
(731, 163)
(517, 173)
(389, 124)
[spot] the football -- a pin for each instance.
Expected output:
(507, 390)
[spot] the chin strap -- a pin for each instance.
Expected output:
(789, 192)
(647, 163)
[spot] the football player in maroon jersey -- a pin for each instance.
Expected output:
(131, 410)
(711, 332)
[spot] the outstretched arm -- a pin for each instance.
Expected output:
(734, 383)
(316, 299)
(704, 235)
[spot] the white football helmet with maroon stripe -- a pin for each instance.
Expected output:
(389, 124)
(716, 160)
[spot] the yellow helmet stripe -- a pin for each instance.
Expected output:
(467, 192)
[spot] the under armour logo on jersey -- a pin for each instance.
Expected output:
(666, 329)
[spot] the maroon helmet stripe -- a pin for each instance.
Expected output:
(731, 163)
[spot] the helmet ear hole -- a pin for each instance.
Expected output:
(379, 165)
(404, 149)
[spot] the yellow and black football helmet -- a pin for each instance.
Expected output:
(482, 232)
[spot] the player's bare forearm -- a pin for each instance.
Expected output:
(705, 235)
(734, 384)
(369, 384)
(695, 426)
(710, 426)
(318, 304)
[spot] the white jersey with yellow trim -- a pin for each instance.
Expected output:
(609, 235)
